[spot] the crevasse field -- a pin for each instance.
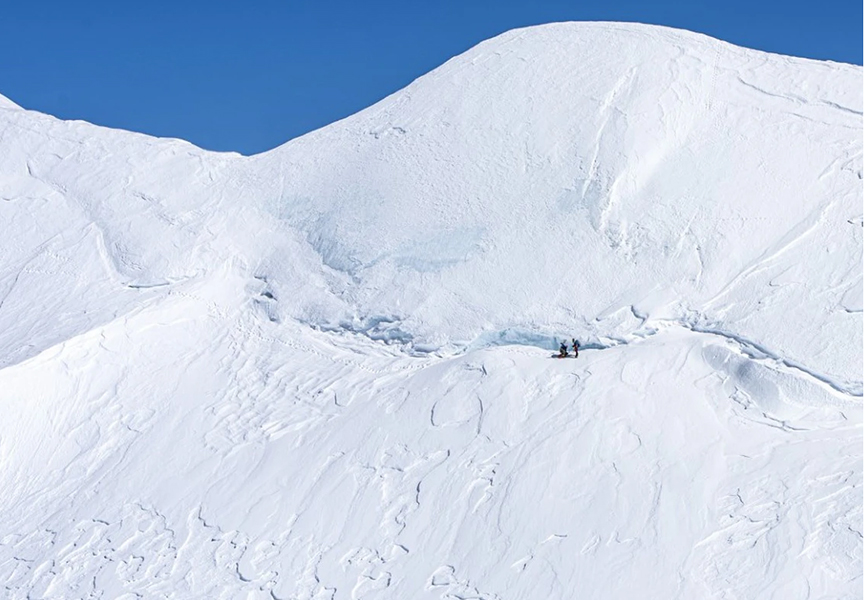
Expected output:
(324, 372)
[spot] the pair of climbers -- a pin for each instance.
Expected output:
(563, 352)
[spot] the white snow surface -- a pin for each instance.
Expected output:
(323, 372)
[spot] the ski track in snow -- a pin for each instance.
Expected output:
(323, 372)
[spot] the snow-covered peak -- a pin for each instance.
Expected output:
(553, 180)
(193, 406)
(551, 177)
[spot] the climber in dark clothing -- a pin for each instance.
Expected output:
(575, 348)
(562, 351)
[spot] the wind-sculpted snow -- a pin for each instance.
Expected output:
(296, 464)
(324, 371)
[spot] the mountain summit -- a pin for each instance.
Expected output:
(323, 371)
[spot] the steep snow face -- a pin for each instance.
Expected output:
(192, 413)
(537, 183)
(551, 176)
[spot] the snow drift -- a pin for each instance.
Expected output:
(319, 372)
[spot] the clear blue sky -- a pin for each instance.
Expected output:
(249, 75)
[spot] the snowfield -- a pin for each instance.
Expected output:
(324, 372)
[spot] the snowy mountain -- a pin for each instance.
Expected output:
(324, 371)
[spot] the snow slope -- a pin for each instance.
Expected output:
(322, 371)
